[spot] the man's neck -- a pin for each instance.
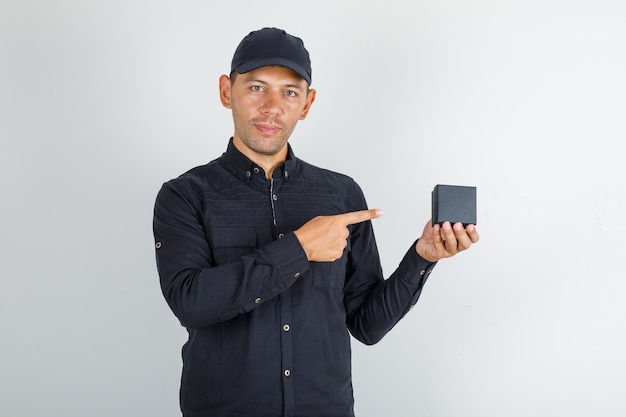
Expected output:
(268, 162)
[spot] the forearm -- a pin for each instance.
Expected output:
(389, 300)
(200, 296)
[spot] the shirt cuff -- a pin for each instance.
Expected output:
(414, 268)
(288, 256)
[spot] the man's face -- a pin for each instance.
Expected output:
(266, 104)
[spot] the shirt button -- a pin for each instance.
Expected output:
(286, 174)
(248, 174)
(286, 327)
(158, 245)
(287, 372)
(275, 197)
(257, 300)
(256, 170)
(281, 235)
(422, 272)
(297, 274)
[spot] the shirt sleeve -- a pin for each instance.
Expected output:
(374, 305)
(200, 293)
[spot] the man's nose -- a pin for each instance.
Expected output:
(271, 103)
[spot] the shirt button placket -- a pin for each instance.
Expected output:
(285, 302)
(287, 359)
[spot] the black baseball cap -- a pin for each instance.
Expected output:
(271, 46)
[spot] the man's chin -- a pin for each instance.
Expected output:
(267, 149)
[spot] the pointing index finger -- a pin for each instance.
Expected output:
(355, 217)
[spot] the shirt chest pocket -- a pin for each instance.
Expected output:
(331, 274)
(228, 244)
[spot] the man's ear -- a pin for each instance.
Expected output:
(225, 85)
(310, 98)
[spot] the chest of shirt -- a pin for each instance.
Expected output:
(241, 217)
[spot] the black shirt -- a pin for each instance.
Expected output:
(268, 330)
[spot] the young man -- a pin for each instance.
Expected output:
(269, 261)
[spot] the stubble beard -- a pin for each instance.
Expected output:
(259, 143)
(262, 146)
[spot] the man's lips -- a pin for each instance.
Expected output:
(267, 128)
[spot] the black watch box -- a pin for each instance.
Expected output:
(453, 203)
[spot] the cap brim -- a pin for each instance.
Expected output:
(268, 62)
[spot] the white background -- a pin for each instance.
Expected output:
(103, 101)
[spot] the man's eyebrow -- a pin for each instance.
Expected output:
(254, 80)
(295, 87)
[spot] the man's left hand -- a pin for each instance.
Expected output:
(446, 240)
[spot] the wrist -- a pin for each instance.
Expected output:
(423, 253)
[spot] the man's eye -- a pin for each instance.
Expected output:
(257, 88)
(290, 93)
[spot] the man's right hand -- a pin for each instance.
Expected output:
(325, 237)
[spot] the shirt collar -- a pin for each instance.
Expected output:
(239, 164)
